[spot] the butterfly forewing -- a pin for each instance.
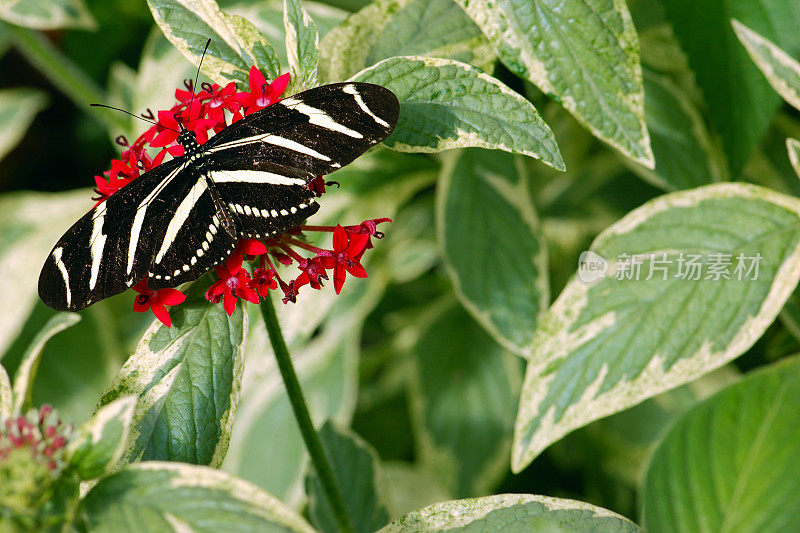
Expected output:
(319, 130)
(110, 248)
(178, 220)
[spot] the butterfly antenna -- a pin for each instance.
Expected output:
(196, 77)
(133, 115)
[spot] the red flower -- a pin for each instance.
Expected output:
(263, 281)
(234, 283)
(220, 99)
(192, 120)
(262, 93)
(312, 272)
(346, 256)
(156, 301)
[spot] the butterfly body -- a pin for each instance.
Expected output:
(177, 221)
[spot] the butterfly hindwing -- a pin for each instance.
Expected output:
(317, 131)
(198, 234)
(266, 199)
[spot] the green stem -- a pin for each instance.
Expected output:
(61, 71)
(295, 393)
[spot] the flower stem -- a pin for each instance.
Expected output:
(60, 70)
(310, 436)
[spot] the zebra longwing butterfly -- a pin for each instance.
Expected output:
(180, 219)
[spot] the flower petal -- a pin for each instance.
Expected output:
(161, 313)
(170, 296)
(256, 80)
(229, 302)
(340, 239)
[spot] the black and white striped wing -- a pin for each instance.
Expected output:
(317, 131)
(266, 199)
(143, 230)
(109, 248)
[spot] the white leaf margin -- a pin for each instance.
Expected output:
(754, 42)
(300, 79)
(459, 513)
(653, 379)
(6, 397)
(793, 147)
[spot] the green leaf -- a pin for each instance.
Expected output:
(793, 146)
(18, 107)
(681, 142)
(492, 243)
(47, 14)
(236, 45)
(99, 444)
(463, 393)
(6, 394)
(445, 104)
(731, 462)
(389, 28)
(740, 102)
(30, 223)
(607, 344)
(26, 373)
(355, 468)
(188, 379)
(302, 46)
(585, 54)
(155, 496)
(512, 513)
(781, 71)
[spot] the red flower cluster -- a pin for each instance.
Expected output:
(41, 432)
(211, 110)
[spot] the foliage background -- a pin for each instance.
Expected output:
(425, 361)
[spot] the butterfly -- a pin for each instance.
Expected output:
(175, 222)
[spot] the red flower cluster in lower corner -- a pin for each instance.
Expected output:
(39, 433)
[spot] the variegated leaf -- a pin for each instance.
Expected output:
(159, 496)
(715, 266)
(586, 54)
(26, 373)
(302, 46)
(98, 445)
(512, 512)
(188, 379)
(780, 69)
(389, 28)
(236, 44)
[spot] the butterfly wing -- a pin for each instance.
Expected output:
(316, 131)
(261, 165)
(108, 249)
